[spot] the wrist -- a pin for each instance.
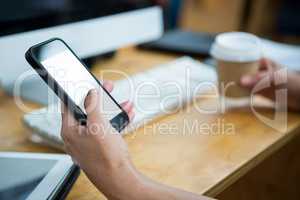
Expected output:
(126, 183)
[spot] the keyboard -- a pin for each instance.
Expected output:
(155, 93)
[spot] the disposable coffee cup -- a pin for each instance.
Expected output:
(237, 54)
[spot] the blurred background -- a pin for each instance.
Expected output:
(275, 19)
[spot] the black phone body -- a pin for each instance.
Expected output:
(68, 77)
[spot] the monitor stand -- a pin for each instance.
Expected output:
(33, 89)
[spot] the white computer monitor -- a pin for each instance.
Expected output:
(90, 27)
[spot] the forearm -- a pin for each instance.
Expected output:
(119, 183)
(131, 185)
(154, 191)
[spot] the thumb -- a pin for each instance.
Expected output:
(92, 106)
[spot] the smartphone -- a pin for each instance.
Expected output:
(69, 78)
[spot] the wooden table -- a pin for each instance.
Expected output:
(184, 157)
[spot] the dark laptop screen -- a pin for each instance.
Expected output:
(24, 15)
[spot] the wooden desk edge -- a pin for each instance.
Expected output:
(252, 163)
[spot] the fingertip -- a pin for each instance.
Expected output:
(263, 63)
(127, 106)
(89, 97)
(124, 103)
(93, 106)
(263, 59)
(246, 80)
(131, 116)
(108, 85)
(92, 93)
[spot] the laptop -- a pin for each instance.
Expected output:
(30, 176)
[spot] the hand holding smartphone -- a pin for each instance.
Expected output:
(69, 78)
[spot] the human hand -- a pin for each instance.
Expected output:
(100, 151)
(270, 71)
(266, 69)
(103, 155)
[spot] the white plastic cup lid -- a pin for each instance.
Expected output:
(237, 47)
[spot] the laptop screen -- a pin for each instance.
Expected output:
(20, 176)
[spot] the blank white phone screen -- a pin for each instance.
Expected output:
(76, 81)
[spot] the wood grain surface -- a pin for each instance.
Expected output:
(205, 159)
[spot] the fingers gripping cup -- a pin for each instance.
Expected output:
(237, 54)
